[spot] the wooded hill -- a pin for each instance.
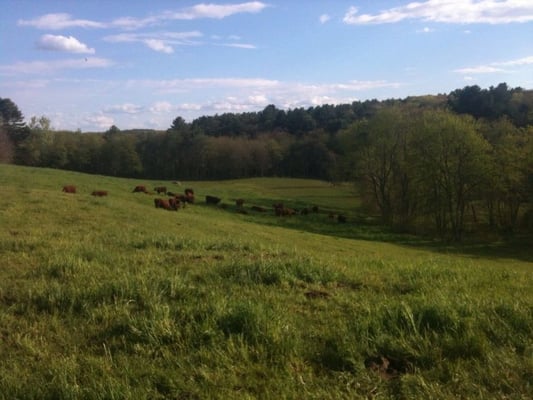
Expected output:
(429, 160)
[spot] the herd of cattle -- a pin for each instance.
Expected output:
(175, 201)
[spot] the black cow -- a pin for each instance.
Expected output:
(212, 200)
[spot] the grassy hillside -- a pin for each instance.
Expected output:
(111, 298)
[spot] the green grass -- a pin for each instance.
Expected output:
(110, 298)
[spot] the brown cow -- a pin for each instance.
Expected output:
(99, 193)
(69, 189)
(174, 203)
(162, 203)
(140, 189)
(239, 203)
(189, 195)
(161, 189)
(280, 210)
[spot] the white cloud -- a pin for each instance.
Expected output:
(482, 69)
(159, 45)
(42, 67)
(59, 21)
(101, 121)
(189, 107)
(68, 44)
(495, 67)
(240, 45)
(259, 99)
(134, 23)
(324, 18)
(198, 11)
(520, 61)
(126, 108)
(161, 107)
(217, 11)
(214, 11)
(425, 30)
(449, 11)
(158, 41)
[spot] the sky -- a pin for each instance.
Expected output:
(90, 64)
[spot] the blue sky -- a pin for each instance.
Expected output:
(139, 64)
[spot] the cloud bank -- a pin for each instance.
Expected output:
(496, 67)
(449, 11)
(58, 21)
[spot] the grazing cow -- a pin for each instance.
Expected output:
(163, 203)
(239, 203)
(160, 189)
(181, 197)
(189, 195)
(174, 203)
(212, 200)
(341, 218)
(288, 212)
(140, 189)
(69, 189)
(280, 210)
(99, 193)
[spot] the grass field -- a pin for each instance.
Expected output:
(111, 298)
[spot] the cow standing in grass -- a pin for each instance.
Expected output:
(140, 189)
(189, 195)
(69, 189)
(212, 200)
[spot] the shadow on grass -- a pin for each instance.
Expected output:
(517, 247)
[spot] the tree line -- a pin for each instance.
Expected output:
(445, 163)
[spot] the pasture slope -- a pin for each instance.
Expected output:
(111, 298)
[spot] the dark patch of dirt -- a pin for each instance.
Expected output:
(386, 367)
(316, 294)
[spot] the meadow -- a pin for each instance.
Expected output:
(111, 298)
